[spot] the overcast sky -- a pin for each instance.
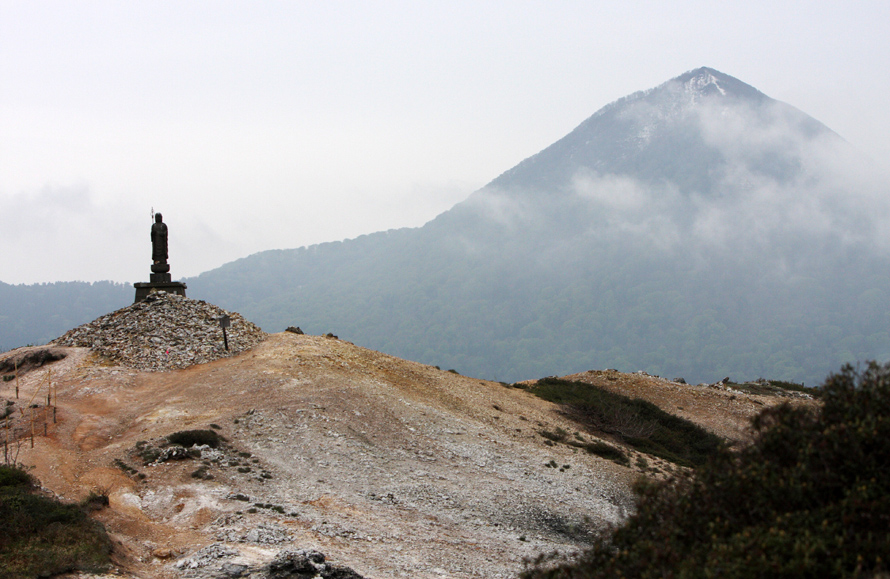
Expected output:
(269, 125)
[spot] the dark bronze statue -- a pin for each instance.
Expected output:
(159, 240)
(160, 269)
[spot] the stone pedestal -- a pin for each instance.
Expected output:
(160, 281)
(143, 289)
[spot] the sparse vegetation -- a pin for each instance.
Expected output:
(606, 451)
(773, 388)
(202, 473)
(188, 438)
(95, 501)
(148, 454)
(42, 536)
(809, 498)
(125, 467)
(637, 423)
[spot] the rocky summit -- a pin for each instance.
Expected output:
(164, 332)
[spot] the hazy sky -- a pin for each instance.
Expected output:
(267, 125)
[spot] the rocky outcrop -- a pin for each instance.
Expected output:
(216, 560)
(164, 332)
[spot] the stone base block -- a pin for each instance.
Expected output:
(171, 287)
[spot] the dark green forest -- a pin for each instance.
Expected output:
(38, 313)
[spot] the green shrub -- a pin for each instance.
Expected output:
(202, 473)
(41, 536)
(188, 438)
(637, 423)
(558, 436)
(810, 497)
(95, 501)
(14, 477)
(606, 451)
(149, 454)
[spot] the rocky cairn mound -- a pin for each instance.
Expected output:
(164, 332)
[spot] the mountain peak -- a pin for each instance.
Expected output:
(663, 134)
(706, 81)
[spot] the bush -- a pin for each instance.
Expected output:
(42, 536)
(809, 498)
(607, 451)
(188, 438)
(13, 477)
(95, 501)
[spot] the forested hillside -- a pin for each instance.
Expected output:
(38, 313)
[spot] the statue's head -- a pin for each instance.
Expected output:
(158, 218)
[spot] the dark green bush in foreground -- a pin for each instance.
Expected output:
(809, 498)
(40, 536)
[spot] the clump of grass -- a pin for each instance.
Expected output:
(42, 536)
(149, 454)
(637, 423)
(188, 438)
(607, 451)
(125, 467)
(202, 473)
(95, 501)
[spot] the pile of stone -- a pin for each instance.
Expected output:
(164, 332)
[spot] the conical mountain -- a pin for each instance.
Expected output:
(697, 229)
(663, 134)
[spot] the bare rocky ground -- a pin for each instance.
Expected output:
(387, 467)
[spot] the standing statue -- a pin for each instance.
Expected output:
(160, 269)
(159, 240)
